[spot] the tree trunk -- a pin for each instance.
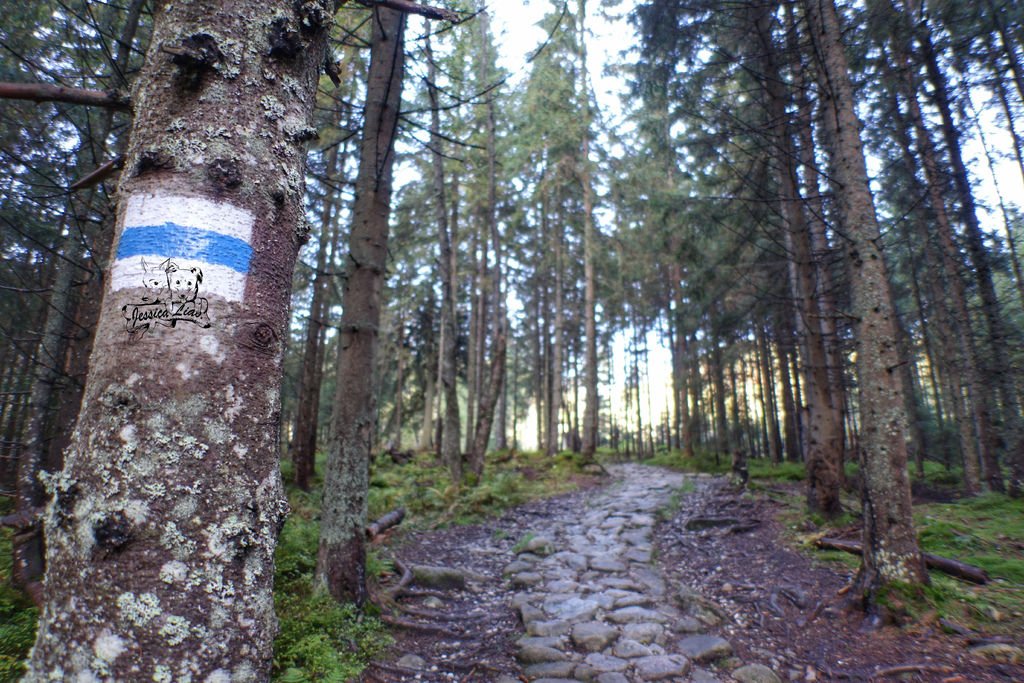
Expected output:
(491, 392)
(824, 429)
(451, 455)
(770, 403)
(164, 518)
(341, 557)
(891, 554)
(1000, 372)
(307, 411)
(966, 361)
(555, 401)
(590, 412)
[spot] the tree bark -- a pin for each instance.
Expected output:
(557, 342)
(163, 521)
(966, 363)
(307, 411)
(891, 552)
(451, 455)
(1000, 372)
(341, 557)
(491, 391)
(824, 429)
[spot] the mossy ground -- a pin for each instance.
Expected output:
(17, 615)
(323, 641)
(319, 639)
(986, 531)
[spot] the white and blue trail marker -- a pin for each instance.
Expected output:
(194, 234)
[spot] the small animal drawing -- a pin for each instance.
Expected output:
(155, 281)
(183, 282)
(170, 283)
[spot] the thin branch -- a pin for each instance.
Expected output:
(45, 92)
(410, 7)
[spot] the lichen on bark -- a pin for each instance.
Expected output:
(162, 525)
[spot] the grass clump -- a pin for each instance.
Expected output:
(424, 488)
(18, 616)
(320, 640)
(706, 462)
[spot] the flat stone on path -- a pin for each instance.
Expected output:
(628, 649)
(593, 636)
(548, 670)
(603, 663)
(635, 615)
(644, 632)
(756, 673)
(555, 627)
(660, 667)
(605, 563)
(573, 608)
(704, 648)
(531, 653)
(611, 677)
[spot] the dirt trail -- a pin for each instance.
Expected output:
(598, 586)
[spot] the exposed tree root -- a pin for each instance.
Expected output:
(398, 622)
(911, 668)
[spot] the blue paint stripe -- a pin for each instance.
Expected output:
(180, 241)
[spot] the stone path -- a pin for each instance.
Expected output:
(594, 606)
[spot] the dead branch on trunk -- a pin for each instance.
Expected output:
(410, 7)
(101, 173)
(45, 92)
(960, 570)
(21, 521)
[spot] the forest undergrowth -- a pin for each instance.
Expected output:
(320, 640)
(985, 531)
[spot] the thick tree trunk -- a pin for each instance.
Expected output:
(341, 557)
(891, 552)
(164, 519)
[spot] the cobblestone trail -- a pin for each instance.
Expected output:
(595, 607)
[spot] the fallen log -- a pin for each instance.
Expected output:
(393, 518)
(960, 570)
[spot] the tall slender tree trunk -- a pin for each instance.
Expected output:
(491, 391)
(590, 413)
(1000, 372)
(824, 456)
(770, 403)
(341, 557)
(967, 362)
(163, 521)
(451, 456)
(891, 554)
(557, 344)
(307, 412)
